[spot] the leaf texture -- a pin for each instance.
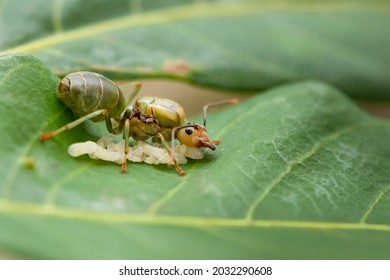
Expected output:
(300, 173)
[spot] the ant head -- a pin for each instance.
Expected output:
(64, 93)
(64, 85)
(194, 135)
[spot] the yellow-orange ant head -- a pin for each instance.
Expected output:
(193, 135)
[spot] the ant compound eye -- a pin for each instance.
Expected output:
(189, 131)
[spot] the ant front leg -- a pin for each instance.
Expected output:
(126, 135)
(171, 153)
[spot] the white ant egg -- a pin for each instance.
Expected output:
(106, 149)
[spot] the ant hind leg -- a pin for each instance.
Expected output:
(48, 135)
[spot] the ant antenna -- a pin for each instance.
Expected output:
(216, 104)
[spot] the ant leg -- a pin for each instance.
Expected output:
(114, 130)
(109, 124)
(171, 153)
(126, 135)
(137, 87)
(48, 135)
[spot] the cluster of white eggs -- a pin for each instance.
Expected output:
(109, 150)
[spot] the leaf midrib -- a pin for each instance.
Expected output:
(193, 11)
(32, 209)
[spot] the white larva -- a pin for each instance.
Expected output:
(83, 148)
(106, 149)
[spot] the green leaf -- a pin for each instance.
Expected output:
(301, 173)
(245, 45)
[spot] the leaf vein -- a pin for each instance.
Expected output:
(374, 202)
(55, 188)
(301, 159)
(156, 206)
(33, 209)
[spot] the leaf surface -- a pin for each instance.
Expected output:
(243, 45)
(300, 173)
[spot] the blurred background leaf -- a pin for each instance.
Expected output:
(301, 173)
(244, 45)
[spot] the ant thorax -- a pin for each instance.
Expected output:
(147, 120)
(166, 112)
(141, 130)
